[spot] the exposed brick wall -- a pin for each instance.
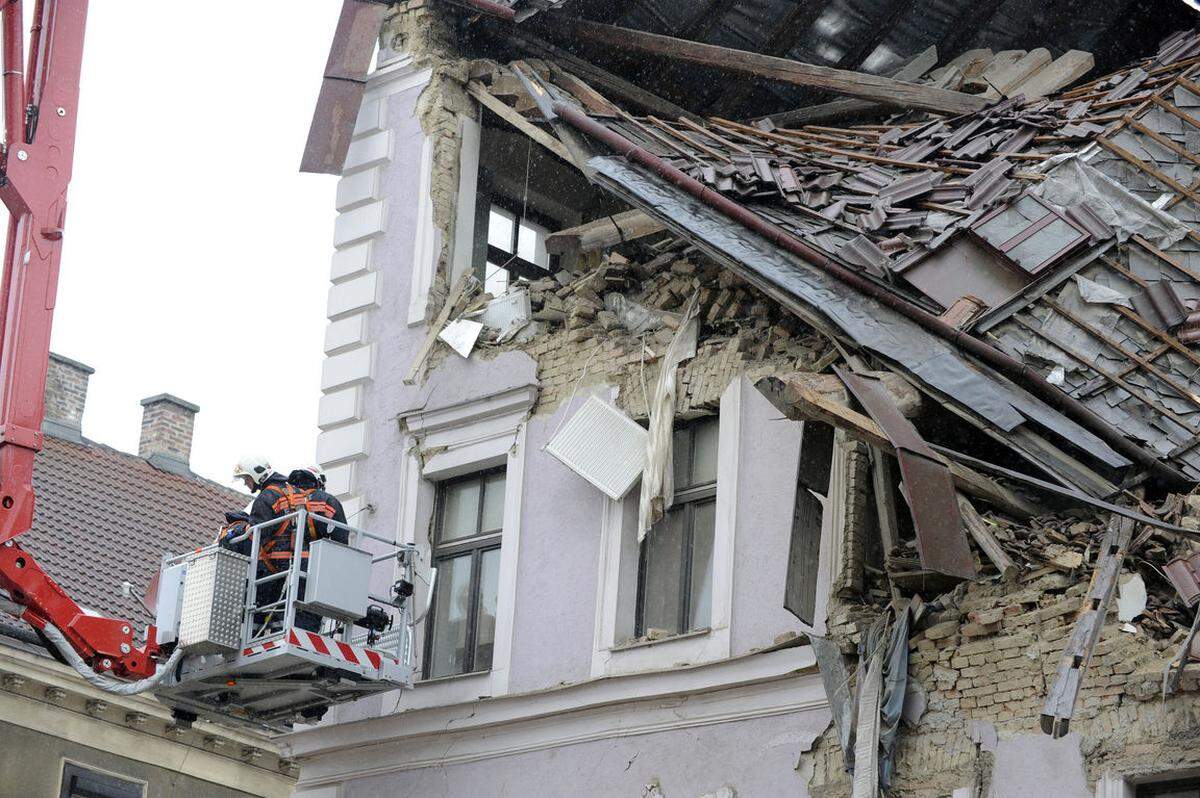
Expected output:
(66, 390)
(167, 423)
(990, 659)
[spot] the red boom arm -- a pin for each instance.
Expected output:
(35, 167)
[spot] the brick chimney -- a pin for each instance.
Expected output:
(166, 439)
(66, 396)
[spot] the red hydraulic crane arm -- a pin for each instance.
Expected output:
(41, 105)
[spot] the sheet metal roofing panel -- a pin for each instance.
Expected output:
(928, 486)
(602, 445)
(935, 361)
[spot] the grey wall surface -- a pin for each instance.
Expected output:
(755, 757)
(554, 624)
(769, 456)
(31, 766)
(558, 564)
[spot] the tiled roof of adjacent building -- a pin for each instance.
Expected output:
(105, 517)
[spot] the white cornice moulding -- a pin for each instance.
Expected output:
(593, 711)
(425, 422)
(737, 672)
(396, 77)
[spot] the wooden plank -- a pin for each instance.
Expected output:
(798, 402)
(603, 233)
(509, 115)
(1157, 174)
(460, 287)
(986, 540)
(742, 62)
(1060, 700)
(593, 100)
(614, 86)
(1165, 258)
(882, 480)
(1167, 339)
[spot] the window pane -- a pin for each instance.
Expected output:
(531, 243)
(495, 280)
(80, 782)
(451, 609)
(704, 461)
(681, 453)
(501, 227)
(704, 520)
(460, 510)
(663, 575)
(489, 588)
(493, 503)
(1044, 244)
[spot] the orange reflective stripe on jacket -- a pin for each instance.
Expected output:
(291, 499)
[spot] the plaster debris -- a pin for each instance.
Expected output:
(461, 335)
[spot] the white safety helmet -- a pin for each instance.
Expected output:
(255, 467)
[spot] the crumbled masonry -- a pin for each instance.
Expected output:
(944, 215)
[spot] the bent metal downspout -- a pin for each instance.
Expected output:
(1005, 364)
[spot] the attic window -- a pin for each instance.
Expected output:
(510, 234)
(1030, 233)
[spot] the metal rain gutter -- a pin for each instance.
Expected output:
(1003, 363)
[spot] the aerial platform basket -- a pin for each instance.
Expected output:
(332, 624)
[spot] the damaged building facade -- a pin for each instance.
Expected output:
(798, 430)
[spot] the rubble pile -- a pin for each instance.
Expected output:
(615, 296)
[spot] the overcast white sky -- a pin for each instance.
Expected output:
(196, 256)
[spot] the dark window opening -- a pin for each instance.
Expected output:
(461, 630)
(675, 570)
(1186, 788)
(813, 476)
(81, 782)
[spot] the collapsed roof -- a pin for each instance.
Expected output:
(1031, 263)
(872, 36)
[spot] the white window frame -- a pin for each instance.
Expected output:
(619, 552)
(66, 760)
(427, 240)
(449, 442)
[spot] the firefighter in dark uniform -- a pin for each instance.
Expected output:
(320, 502)
(275, 498)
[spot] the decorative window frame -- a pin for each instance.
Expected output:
(619, 550)
(448, 442)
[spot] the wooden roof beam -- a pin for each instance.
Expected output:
(765, 67)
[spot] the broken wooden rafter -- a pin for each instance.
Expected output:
(463, 287)
(985, 539)
(603, 233)
(1060, 701)
(614, 86)
(509, 115)
(801, 403)
(782, 70)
